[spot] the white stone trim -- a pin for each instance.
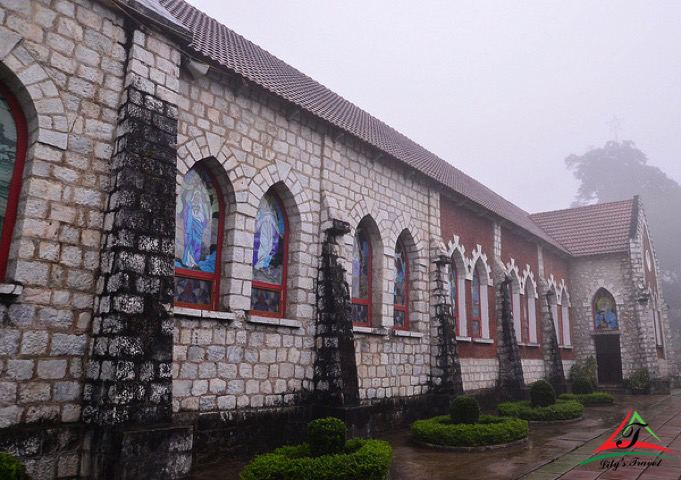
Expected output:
(197, 313)
(483, 340)
(13, 289)
(463, 338)
(277, 322)
(567, 337)
(406, 333)
(516, 316)
(371, 330)
(484, 311)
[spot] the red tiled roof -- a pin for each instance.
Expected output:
(590, 230)
(229, 49)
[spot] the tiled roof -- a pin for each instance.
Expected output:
(590, 230)
(229, 49)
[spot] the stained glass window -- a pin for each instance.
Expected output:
(270, 251)
(361, 278)
(198, 237)
(401, 293)
(454, 294)
(605, 311)
(475, 305)
(12, 152)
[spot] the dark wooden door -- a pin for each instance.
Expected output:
(609, 359)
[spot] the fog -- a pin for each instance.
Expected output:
(503, 90)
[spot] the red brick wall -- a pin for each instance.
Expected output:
(524, 251)
(554, 264)
(471, 228)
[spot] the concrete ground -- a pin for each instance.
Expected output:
(553, 451)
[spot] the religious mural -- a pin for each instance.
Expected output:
(400, 290)
(8, 154)
(605, 311)
(361, 275)
(269, 255)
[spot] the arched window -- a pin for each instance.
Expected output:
(529, 326)
(361, 278)
(454, 295)
(476, 309)
(525, 318)
(605, 311)
(401, 294)
(198, 240)
(13, 139)
(270, 258)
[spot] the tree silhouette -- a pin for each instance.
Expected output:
(619, 171)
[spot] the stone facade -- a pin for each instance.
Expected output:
(96, 364)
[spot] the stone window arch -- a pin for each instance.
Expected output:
(13, 142)
(199, 221)
(529, 315)
(516, 290)
(604, 310)
(457, 293)
(270, 257)
(478, 323)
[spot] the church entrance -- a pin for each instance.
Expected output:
(609, 359)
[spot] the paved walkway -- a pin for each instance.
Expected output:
(664, 419)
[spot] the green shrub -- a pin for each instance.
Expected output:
(596, 398)
(326, 436)
(464, 409)
(582, 385)
(11, 468)
(586, 370)
(639, 379)
(363, 459)
(562, 410)
(542, 394)
(489, 431)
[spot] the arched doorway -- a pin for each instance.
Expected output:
(607, 338)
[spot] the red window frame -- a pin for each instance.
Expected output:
(281, 288)
(404, 308)
(17, 176)
(367, 301)
(559, 336)
(215, 276)
(455, 301)
(473, 318)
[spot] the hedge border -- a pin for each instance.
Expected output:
(491, 431)
(562, 411)
(363, 460)
(595, 399)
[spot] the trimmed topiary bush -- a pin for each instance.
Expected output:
(360, 460)
(582, 385)
(542, 394)
(561, 410)
(326, 436)
(597, 398)
(464, 410)
(490, 430)
(11, 468)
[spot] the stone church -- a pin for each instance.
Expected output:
(202, 249)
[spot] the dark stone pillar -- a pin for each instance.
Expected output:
(335, 379)
(447, 372)
(129, 379)
(511, 381)
(552, 361)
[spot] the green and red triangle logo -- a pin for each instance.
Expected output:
(625, 439)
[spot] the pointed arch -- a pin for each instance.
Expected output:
(458, 271)
(366, 273)
(605, 315)
(478, 323)
(529, 324)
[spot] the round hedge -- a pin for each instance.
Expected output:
(562, 410)
(582, 385)
(490, 431)
(363, 459)
(464, 409)
(11, 468)
(597, 398)
(326, 436)
(542, 394)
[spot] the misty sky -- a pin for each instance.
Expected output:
(503, 90)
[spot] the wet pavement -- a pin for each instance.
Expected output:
(552, 450)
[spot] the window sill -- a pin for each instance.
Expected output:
(530, 345)
(407, 333)
(483, 340)
(274, 321)
(13, 289)
(463, 339)
(370, 331)
(566, 347)
(207, 314)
